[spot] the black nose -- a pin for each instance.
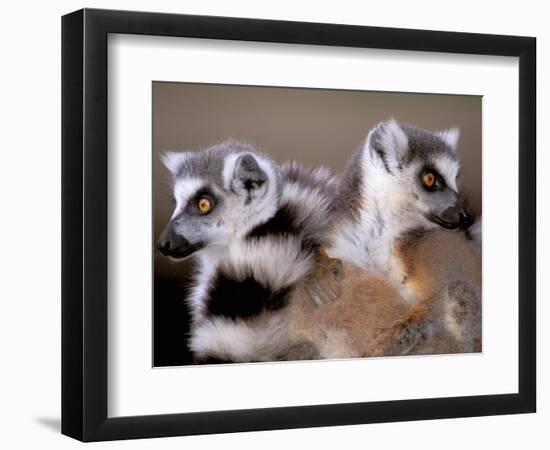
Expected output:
(164, 246)
(464, 219)
(173, 244)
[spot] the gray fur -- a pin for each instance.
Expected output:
(320, 179)
(425, 145)
(319, 186)
(347, 199)
(208, 162)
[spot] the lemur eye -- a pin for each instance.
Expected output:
(428, 179)
(204, 205)
(431, 180)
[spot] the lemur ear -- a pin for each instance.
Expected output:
(248, 176)
(389, 143)
(450, 137)
(174, 160)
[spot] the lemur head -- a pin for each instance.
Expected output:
(220, 194)
(415, 172)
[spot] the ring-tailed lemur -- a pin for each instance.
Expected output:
(256, 231)
(398, 193)
(395, 205)
(402, 181)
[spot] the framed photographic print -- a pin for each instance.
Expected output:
(273, 224)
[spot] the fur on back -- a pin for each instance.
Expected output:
(343, 311)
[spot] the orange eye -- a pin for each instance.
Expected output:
(428, 179)
(204, 205)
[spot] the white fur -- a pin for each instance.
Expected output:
(184, 188)
(393, 140)
(235, 340)
(243, 216)
(208, 261)
(448, 168)
(385, 212)
(369, 246)
(229, 169)
(311, 205)
(265, 261)
(174, 160)
(322, 174)
(450, 137)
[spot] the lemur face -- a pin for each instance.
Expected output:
(219, 194)
(423, 170)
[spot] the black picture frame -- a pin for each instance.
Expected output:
(84, 224)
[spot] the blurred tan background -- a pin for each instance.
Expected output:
(313, 126)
